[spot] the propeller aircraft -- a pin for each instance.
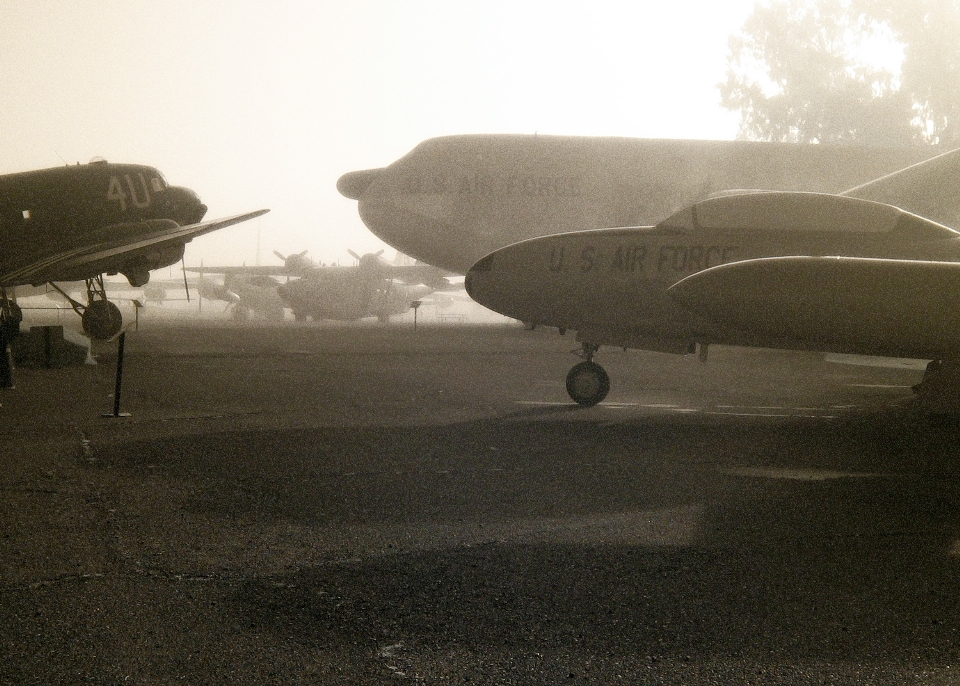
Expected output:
(77, 223)
(373, 287)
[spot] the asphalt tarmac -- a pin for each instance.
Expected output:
(319, 504)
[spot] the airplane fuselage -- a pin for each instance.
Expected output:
(347, 294)
(613, 286)
(452, 200)
(50, 211)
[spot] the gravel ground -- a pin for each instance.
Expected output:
(366, 505)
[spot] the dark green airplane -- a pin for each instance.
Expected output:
(77, 223)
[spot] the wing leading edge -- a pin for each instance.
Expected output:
(112, 242)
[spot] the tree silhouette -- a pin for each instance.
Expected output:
(808, 71)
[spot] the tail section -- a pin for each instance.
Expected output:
(930, 189)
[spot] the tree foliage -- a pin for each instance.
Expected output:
(808, 71)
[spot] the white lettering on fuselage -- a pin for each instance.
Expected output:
(642, 259)
(488, 185)
(139, 198)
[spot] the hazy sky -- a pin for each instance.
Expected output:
(266, 104)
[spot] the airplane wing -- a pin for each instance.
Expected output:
(408, 274)
(897, 308)
(420, 273)
(113, 241)
(268, 270)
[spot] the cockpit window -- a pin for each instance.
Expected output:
(157, 182)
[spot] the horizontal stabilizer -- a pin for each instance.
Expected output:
(898, 308)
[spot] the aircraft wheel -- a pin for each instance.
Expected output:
(588, 383)
(10, 317)
(102, 320)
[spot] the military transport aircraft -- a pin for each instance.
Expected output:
(373, 287)
(452, 200)
(252, 290)
(76, 223)
(791, 270)
(246, 294)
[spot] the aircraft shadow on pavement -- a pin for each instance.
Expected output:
(852, 574)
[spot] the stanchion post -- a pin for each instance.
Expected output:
(416, 306)
(116, 390)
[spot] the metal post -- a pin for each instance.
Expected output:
(116, 391)
(416, 306)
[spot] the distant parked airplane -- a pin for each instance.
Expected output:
(373, 287)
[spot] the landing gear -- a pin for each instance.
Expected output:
(587, 382)
(101, 319)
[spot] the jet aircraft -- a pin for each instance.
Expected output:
(77, 223)
(452, 200)
(792, 270)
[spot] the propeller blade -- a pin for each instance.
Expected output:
(353, 254)
(303, 253)
(280, 255)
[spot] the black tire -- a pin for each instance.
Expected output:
(588, 384)
(102, 320)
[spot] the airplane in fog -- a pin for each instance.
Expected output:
(77, 223)
(252, 290)
(791, 270)
(246, 295)
(454, 199)
(373, 287)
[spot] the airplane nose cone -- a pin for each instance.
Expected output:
(415, 223)
(186, 205)
(481, 284)
(353, 184)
